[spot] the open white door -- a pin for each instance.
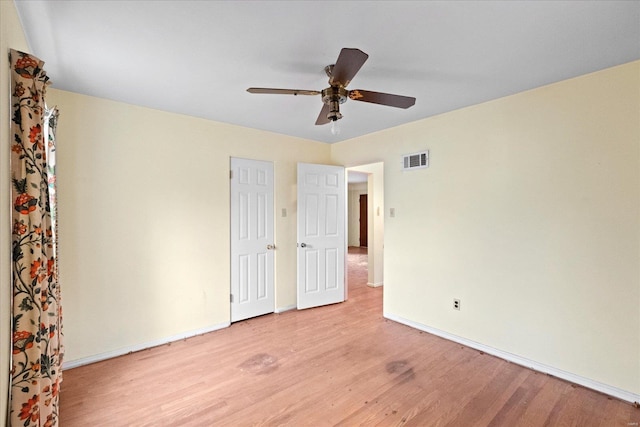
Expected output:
(321, 235)
(252, 245)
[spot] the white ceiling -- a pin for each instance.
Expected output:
(199, 57)
(355, 177)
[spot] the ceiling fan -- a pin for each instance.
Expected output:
(340, 75)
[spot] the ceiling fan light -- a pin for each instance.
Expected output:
(335, 129)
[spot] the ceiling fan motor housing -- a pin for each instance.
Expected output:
(333, 96)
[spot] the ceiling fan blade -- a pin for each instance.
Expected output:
(348, 63)
(322, 117)
(283, 91)
(382, 98)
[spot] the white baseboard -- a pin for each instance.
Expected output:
(527, 363)
(374, 285)
(286, 308)
(70, 364)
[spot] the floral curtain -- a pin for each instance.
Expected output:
(37, 313)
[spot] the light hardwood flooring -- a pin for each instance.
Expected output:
(342, 364)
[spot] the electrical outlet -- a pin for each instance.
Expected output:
(456, 304)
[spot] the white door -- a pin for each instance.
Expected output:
(321, 235)
(252, 243)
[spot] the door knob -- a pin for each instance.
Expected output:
(303, 245)
(271, 247)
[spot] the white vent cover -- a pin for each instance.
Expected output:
(415, 161)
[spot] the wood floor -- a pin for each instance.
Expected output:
(342, 364)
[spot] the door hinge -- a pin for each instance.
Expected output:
(231, 297)
(231, 174)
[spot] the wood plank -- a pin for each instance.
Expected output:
(288, 369)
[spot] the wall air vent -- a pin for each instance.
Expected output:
(415, 161)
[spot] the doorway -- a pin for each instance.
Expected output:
(368, 180)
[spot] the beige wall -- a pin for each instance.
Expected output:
(11, 37)
(144, 220)
(528, 213)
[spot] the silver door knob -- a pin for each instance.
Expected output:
(303, 245)
(271, 247)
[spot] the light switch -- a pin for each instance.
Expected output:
(284, 212)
